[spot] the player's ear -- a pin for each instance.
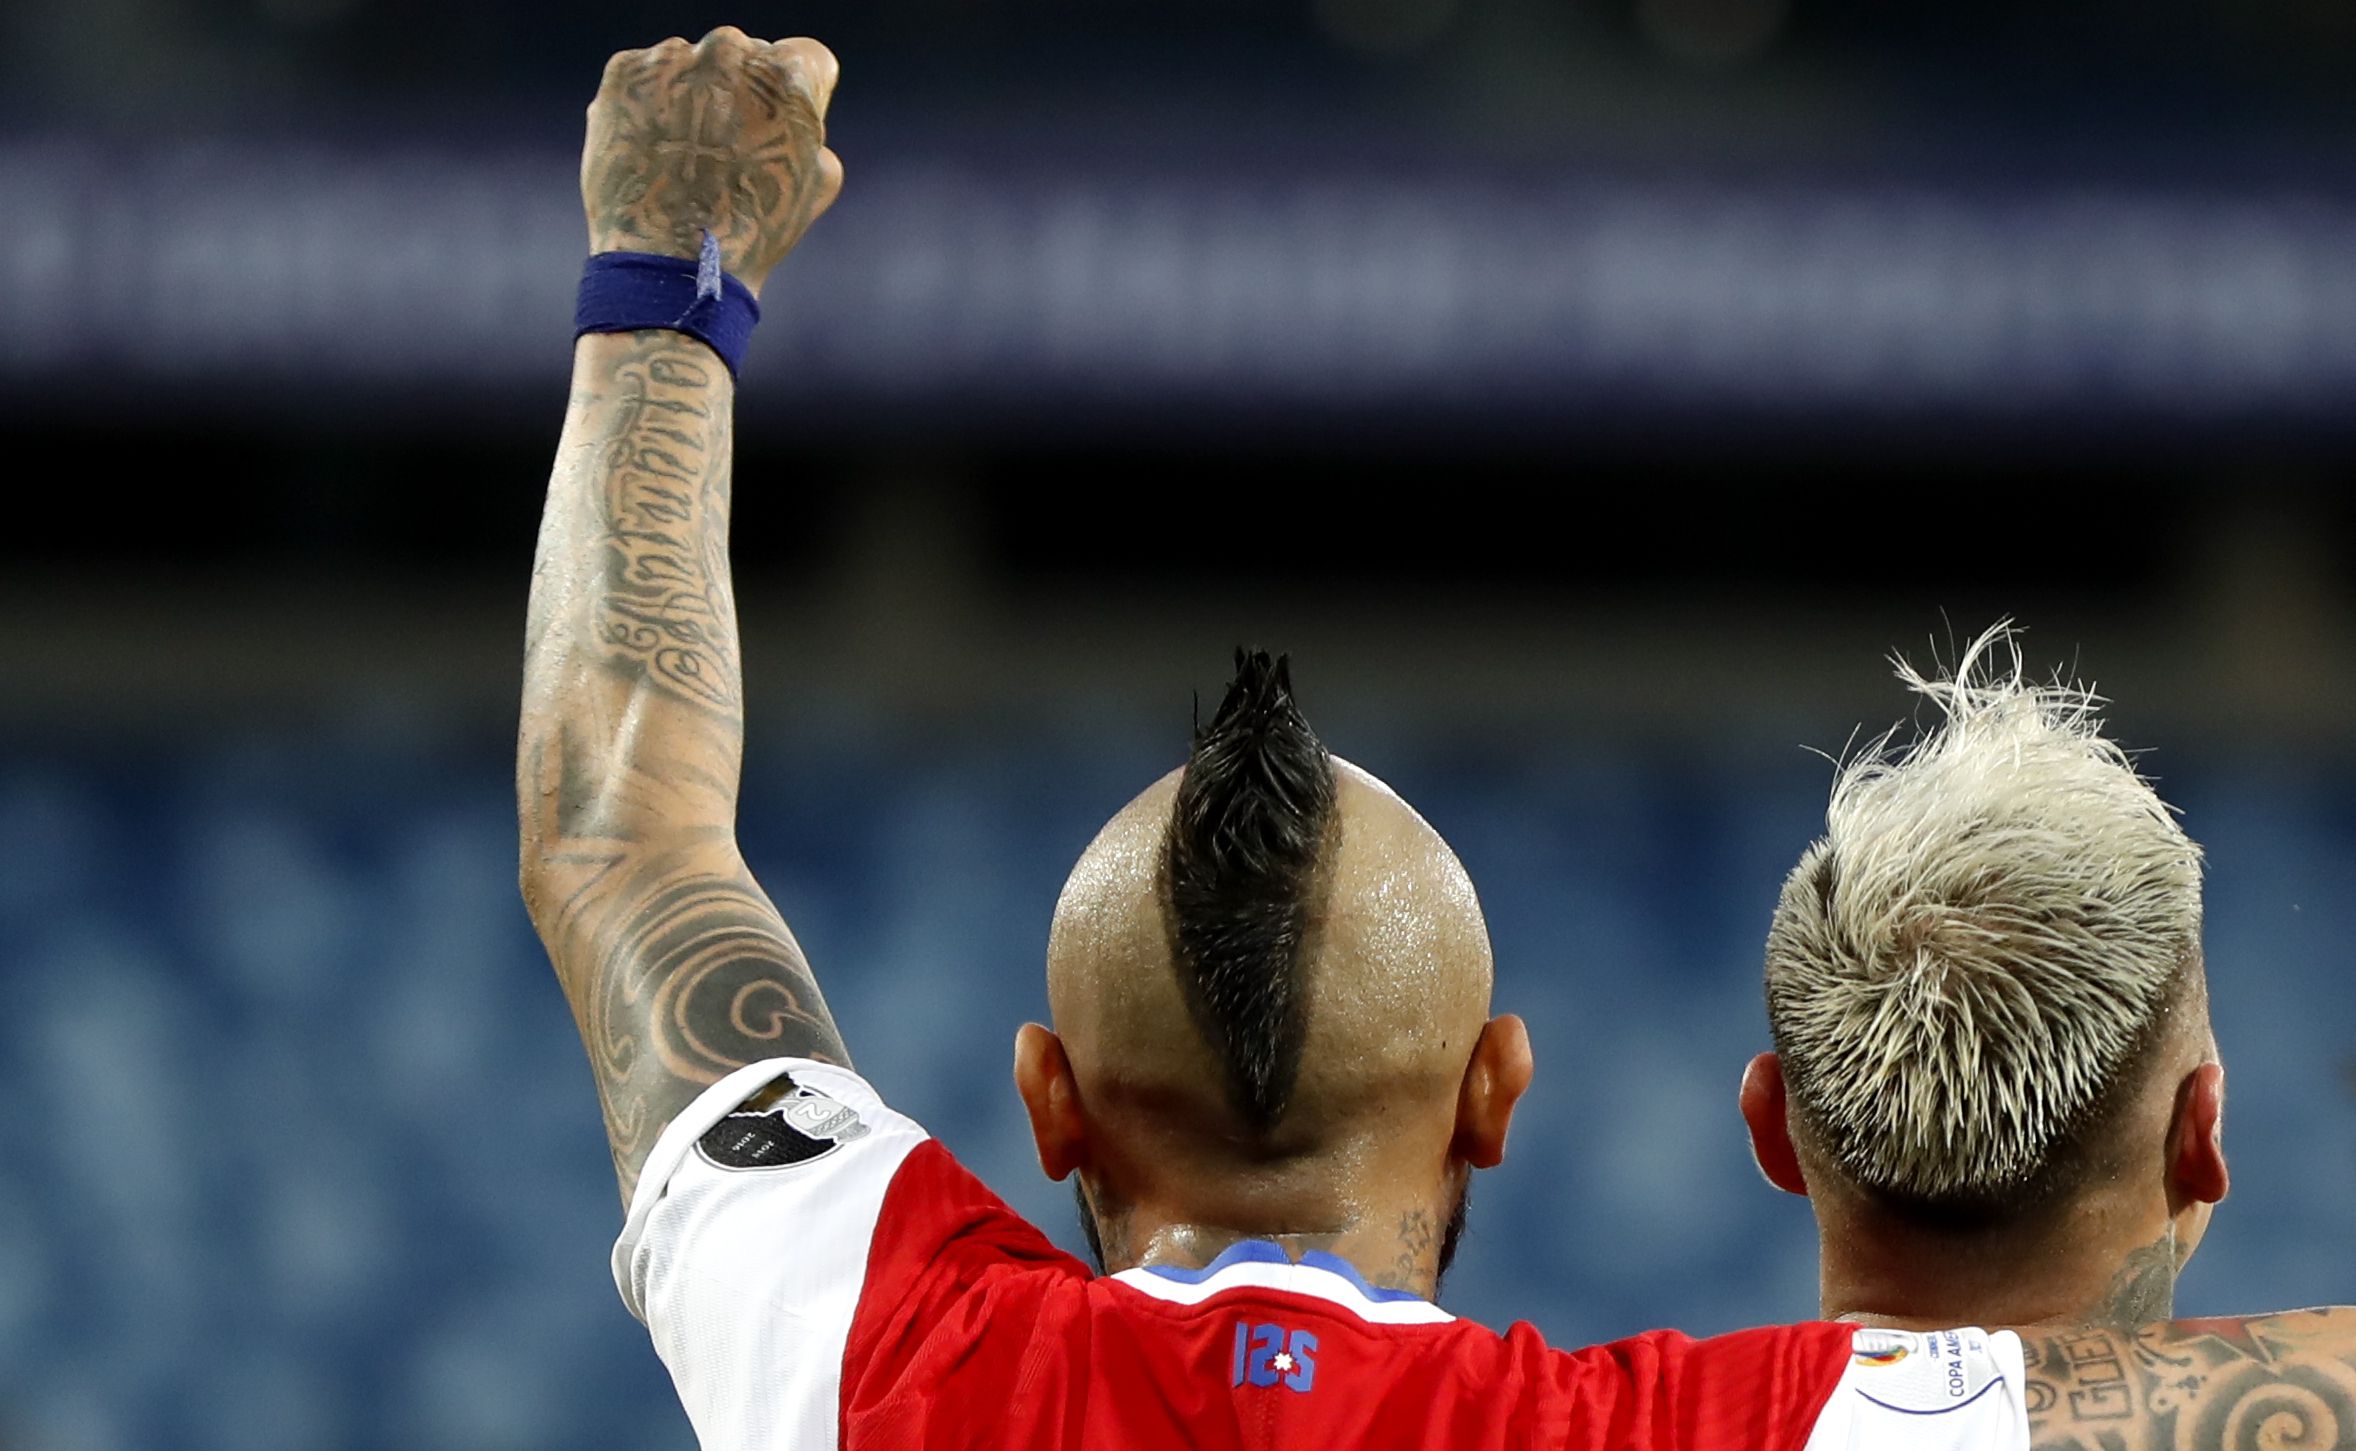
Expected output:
(1043, 1076)
(1769, 1117)
(2196, 1137)
(1494, 1081)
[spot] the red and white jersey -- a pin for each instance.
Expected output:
(822, 1274)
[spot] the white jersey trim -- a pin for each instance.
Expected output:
(1935, 1390)
(746, 1250)
(1290, 1279)
(676, 1140)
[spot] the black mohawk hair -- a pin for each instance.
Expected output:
(1247, 834)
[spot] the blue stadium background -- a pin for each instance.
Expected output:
(302, 1151)
(1590, 393)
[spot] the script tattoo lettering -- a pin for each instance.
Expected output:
(631, 747)
(678, 967)
(2098, 1381)
(2266, 1383)
(665, 606)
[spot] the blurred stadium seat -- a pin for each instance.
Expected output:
(303, 1152)
(1591, 392)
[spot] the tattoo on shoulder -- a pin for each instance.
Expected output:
(2265, 1383)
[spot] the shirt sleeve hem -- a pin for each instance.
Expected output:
(709, 1107)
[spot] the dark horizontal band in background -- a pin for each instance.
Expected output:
(1083, 288)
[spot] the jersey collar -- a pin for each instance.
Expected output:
(1260, 1264)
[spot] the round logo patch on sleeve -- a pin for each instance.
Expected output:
(1922, 1373)
(1881, 1347)
(801, 1126)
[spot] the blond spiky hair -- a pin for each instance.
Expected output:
(1976, 952)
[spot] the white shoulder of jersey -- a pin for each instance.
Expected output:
(1930, 1390)
(747, 1244)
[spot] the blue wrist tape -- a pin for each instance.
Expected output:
(629, 291)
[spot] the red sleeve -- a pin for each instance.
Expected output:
(949, 1260)
(1754, 1390)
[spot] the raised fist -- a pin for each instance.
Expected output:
(727, 135)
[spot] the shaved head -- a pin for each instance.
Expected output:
(1270, 985)
(1268, 958)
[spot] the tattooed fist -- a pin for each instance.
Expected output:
(727, 135)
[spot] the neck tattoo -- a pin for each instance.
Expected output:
(2144, 1289)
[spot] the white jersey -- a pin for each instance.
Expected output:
(1930, 1389)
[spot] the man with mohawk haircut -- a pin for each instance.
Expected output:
(1340, 1080)
(1272, 1070)
(1995, 1079)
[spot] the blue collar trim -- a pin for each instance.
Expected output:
(1268, 1252)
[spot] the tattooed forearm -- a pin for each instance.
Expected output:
(660, 482)
(680, 970)
(2266, 1383)
(677, 966)
(632, 742)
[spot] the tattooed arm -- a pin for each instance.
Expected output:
(628, 758)
(2263, 1383)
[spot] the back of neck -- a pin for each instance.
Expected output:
(1391, 1225)
(1392, 1246)
(2069, 1276)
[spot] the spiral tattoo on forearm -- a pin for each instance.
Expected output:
(677, 966)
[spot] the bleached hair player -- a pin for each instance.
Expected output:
(1996, 921)
(1999, 1091)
